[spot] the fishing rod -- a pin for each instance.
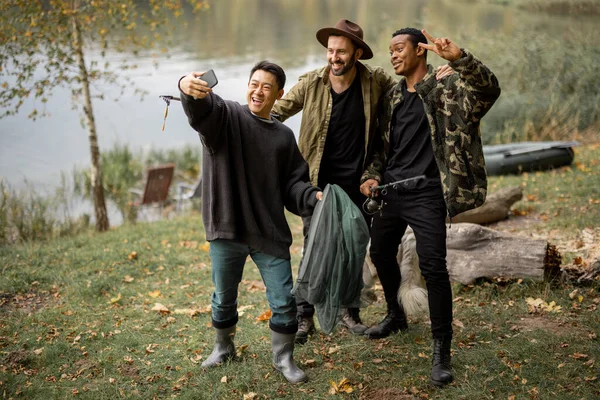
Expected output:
(167, 98)
(371, 206)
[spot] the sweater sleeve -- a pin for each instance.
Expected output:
(207, 116)
(299, 194)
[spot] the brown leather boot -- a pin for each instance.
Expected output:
(351, 320)
(306, 326)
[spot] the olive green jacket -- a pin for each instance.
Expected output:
(312, 94)
(454, 107)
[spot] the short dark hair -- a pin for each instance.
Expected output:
(415, 36)
(273, 69)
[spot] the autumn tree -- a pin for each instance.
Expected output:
(50, 43)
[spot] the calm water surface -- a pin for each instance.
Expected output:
(230, 37)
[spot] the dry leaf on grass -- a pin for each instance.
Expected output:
(160, 308)
(264, 316)
(343, 386)
(540, 306)
(116, 299)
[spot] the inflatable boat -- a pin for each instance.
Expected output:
(514, 158)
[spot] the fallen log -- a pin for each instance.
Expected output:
(477, 252)
(495, 208)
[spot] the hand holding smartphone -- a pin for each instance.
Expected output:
(210, 78)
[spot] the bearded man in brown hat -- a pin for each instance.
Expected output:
(340, 103)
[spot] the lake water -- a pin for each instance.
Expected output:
(234, 34)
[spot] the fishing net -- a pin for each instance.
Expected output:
(330, 275)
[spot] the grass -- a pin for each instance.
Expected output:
(78, 318)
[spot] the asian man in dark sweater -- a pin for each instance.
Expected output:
(251, 171)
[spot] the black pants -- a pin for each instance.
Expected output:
(305, 309)
(425, 211)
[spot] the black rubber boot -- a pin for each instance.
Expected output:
(441, 373)
(394, 321)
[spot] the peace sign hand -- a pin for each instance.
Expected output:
(443, 47)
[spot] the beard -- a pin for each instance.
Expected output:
(345, 68)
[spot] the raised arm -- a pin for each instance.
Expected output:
(206, 112)
(481, 85)
(292, 102)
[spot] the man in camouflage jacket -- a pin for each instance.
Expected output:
(429, 131)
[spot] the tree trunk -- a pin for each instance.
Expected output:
(495, 208)
(477, 252)
(102, 223)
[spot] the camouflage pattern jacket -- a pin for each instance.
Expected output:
(454, 107)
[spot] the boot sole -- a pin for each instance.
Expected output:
(440, 384)
(293, 383)
(370, 336)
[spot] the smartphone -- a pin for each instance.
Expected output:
(210, 78)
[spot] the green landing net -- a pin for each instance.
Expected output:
(330, 275)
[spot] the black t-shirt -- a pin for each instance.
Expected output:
(342, 161)
(411, 152)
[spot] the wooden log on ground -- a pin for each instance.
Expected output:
(477, 252)
(496, 207)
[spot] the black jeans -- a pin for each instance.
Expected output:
(305, 309)
(425, 211)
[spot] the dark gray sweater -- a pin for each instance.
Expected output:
(251, 171)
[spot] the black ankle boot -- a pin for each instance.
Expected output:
(394, 321)
(441, 373)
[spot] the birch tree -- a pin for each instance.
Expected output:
(50, 43)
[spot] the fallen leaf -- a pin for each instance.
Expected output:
(150, 348)
(128, 279)
(160, 308)
(114, 300)
(224, 379)
(186, 311)
(38, 351)
(578, 356)
(540, 306)
(249, 396)
(133, 255)
(242, 309)
(154, 294)
(458, 323)
(205, 247)
(344, 386)
(264, 316)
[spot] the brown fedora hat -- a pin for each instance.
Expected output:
(349, 29)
